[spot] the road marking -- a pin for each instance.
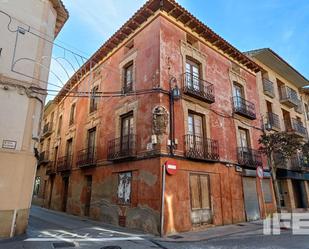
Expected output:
(82, 239)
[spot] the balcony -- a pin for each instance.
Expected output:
(200, 148)
(295, 126)
(244, 108)
(87, 157)
(299, 108)
(249, 158)
(47, 130)
(51, 169)
(288, 96)
(43, 157)
(273, 121)
(198, 88)
(122, 148)
(268, 88)
(64, 164)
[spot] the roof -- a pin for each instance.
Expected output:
(172, 8)
(272, 60)
(62, 15)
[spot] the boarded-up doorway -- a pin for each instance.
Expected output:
(201, 212)
(251, 199)
(88, 195)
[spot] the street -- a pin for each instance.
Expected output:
(50, 229)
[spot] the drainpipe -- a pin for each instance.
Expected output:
(162, 200)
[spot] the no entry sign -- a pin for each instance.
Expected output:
(260, 172)
(171, 167)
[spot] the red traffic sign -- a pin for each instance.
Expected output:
(171, 167)
(260, 172)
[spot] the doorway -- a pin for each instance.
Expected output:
(65, 181)
(52, 180)
(252, 207)
(88, 195)
(299, 194)
(201, 212)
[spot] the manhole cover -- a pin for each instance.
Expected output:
(63, 244)
(111, 247)
(175, 237)
(240, 225)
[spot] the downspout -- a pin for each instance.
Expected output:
(162, 200)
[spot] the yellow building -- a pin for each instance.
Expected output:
(27, 30)
(283, 109)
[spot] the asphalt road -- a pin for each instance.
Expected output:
(48, 229)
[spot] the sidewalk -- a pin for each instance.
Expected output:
(214, 232)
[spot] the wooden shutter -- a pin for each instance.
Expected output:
(204, 180)
(195, 192)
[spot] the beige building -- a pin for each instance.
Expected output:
(27, 30)
(283, 106)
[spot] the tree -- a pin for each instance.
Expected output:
(279, 145)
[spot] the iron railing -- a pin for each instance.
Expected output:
(47, 129)
(244, 107)
(51, 169)
(273, 120)
(44, 157)
(299, 108)
(249, 157)
(288, 96)
(87, 157)
(268, 88)
(122, 148)
(128, 87)
(198, 88)
(197, 147)
(64, 163)
(294, 125)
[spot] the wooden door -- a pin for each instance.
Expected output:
(88, 195)
(65, 193)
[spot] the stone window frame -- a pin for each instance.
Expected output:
(130, 58)
(202, 111)
(91, 112)
(119, 201)
(74, 116)
(239, 124)
(237, 78)
(187, 51)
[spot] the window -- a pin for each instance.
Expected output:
(51, 120)
(59, 125)
(37, 184)
(238, 95)
(200, 191)
(244, 138)
(126, 131)
(124, 187)
(72, 114)
(69, 147)
(93, 99)
(267, 190)
(128, 77)
(195, 132)
(193, 75)
(307, 111)
(91, 142)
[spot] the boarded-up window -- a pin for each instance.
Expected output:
(267, 190)
(199, 188)
(124, 187)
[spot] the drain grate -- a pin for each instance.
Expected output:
(111, 247)
(240, 225)
(175, 237)
(63, 244)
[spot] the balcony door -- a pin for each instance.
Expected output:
(238, 94)
(196, 134)
(193, 75)
(287, 120)
(69, 151)
(91, 143)
(244, 139)
(126, 133)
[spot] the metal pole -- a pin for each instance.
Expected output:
(162, 200)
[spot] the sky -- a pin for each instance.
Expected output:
(282, 25)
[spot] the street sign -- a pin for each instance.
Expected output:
(171, 167)
(260, 172)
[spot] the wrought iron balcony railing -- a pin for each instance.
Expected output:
(51, 169)
(288, 96)
(122, 148)
(268, 88)
(244, 107)
(249, 157)
(87, 157)
(197, 147)
(198, 88)
(44, 157)
(47, 129)
(296, 126)
(64, 163)
(128, 87)
(273, 121)
(299, 108)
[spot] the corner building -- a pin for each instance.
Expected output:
(108, 149)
